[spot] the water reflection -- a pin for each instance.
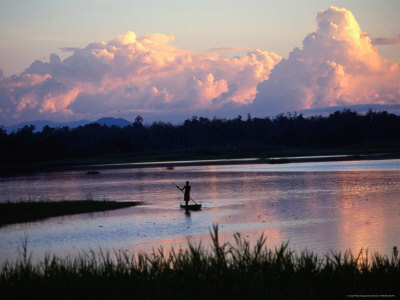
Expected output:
(367, 212)
(314, 205)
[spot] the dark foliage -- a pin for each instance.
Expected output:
(227, 272)
(341, 128)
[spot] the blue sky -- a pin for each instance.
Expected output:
(32, 30)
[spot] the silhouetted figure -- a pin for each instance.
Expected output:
(186, 194)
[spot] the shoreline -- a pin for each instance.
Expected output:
(21, 212)
(170, 160)
(240, 161)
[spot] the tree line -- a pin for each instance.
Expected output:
(341, 128)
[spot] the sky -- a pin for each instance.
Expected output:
(71, 60)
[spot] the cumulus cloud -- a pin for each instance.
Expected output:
(133, 74)
(386, 40)
(338, 65)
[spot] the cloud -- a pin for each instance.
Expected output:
(386, 40)
(132, 74)
(338, 65)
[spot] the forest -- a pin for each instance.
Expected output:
(243, 136)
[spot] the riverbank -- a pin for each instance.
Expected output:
(226, 272)
(18, 212)
(214, 156)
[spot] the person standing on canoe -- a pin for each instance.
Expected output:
(186, 193)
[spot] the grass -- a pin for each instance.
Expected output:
(226, 272)
(26, 211)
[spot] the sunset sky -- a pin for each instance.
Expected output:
(168, 60)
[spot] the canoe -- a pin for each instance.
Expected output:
(192, 206)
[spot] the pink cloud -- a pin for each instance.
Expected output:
(25, 80)
(338, 65)
(131, 73)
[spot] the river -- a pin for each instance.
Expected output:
(319, 206)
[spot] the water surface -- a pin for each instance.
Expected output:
(321, 206)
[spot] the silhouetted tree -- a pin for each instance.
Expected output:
(233, 136)
(138, 121)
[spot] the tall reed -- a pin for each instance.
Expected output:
(227, 271)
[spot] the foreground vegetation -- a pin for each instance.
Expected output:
(25, 211)
(225, 272)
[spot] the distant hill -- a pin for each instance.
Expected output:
(109, 121)
(113, 122)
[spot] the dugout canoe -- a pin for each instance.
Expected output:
(192, 206)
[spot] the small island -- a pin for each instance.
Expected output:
(17, 212)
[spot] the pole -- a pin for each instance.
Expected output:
(183, 192)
